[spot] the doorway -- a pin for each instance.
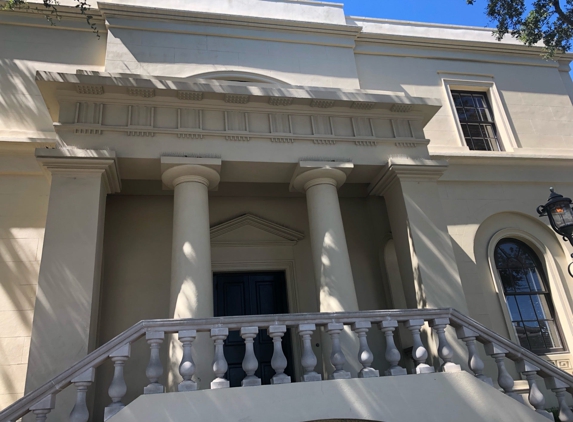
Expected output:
(253, 293)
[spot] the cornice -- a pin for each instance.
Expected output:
(406, 169)
(82, 163)
(71, 20)
(115, 10)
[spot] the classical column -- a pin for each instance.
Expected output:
(67, 302)
(332, 270)
(191, 276)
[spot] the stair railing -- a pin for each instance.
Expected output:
(42, 401)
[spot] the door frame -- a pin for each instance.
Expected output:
(292, 295)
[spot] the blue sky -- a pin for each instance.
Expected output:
(455, 12)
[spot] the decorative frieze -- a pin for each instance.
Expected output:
(189, 95)
(141, 92)
(322, 103)
(280, 101)
(236, 98)
(90, 89)
(235, 125)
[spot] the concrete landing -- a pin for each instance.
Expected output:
(438, 397)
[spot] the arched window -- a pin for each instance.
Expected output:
(528, 297)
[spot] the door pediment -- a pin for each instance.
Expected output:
(250, 230)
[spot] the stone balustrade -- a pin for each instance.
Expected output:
(440, 321)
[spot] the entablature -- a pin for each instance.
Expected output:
(91, 104)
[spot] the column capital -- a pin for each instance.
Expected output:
(82, 163)
(311, 173)
(176, 170)
(403, 168)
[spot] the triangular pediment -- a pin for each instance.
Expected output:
(250, 230)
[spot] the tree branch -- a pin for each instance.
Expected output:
(561, 13)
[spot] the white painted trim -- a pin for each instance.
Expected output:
(506, 136)
(288, 266)
(561, 305)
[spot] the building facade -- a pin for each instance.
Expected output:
(195, 160)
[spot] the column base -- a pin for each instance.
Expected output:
(368, 373)
(424, 369)
(187, 386)
(340, 375)
(154, 388)
(394, 372)
(251, 381)
(111, 410)
(220, 384)
(280, 379)
(312, 376)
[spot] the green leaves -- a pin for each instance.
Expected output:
(547, 21)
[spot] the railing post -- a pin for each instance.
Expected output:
(117, 388)
(419, 352)
(187, 366)
(365, 356)
(278, 361)
(250, 363)
(392, 353)
(43, 407)
(80, 411)
(445, 351)
(474, 361)
(219, 362)
(559, 388)
(337, 358)
(504, 380)
(535, 396)
(308, 359)
(154, 368)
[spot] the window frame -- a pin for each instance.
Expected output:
(553, 280)
(545, 292)
(505, 136)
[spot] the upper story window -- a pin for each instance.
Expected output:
(528, 297)
(476, 119)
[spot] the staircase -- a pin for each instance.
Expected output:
(441, 391)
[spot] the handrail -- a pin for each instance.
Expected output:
(138, 330)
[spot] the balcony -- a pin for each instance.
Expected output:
(435, 387)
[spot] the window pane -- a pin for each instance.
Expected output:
(488, 131)
(461, 114)
(457, 99)
(472, 115)
(550, 334)
(520, 330)
(520, 282)
(534, 335)
(474, 131)
(506, 280)
(540, 306)
(481, 144)
(467, 101)
(526, 307)
(534, 281)
(513, 309)
(479, 101)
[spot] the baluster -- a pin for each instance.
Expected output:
(535, 397)
(419, 352)
(365, 356)
(250, 363)
(445, 351)
(392, 353)
(559, 387)
(504, 380)
(337, 358)
(219, 362)
(187, 366)
(308, 359)
(154, 368)
(43, 407)
(474, 361)
(117, 388)
(278, 361)
(80, 412)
